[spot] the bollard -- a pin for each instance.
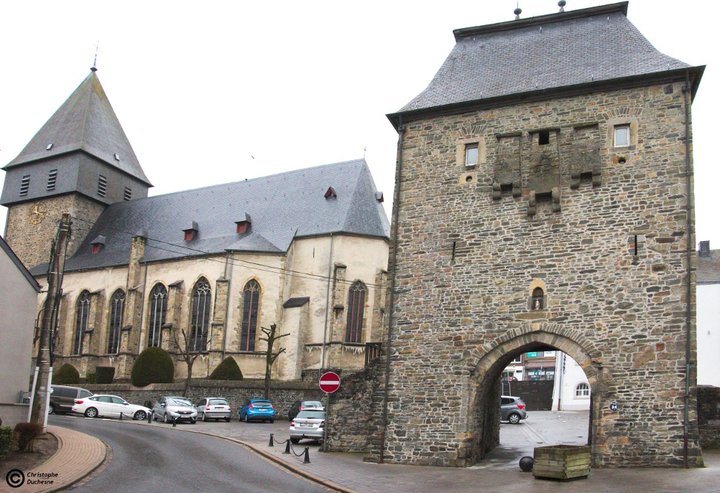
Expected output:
(150, 416)
(306, 460)
(271, 440)
(174, 422)
(287, 447)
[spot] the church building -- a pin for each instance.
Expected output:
(200, 270)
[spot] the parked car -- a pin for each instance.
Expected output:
(174, 408)
(298, 406)
(109, 406)
(308, 424)
(512, 409)
(62, 398)
(216, 408)
(257, 410)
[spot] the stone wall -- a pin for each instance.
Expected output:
(709, 416)
(601, 232)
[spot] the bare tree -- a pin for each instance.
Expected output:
(188, 352)
(270, 357)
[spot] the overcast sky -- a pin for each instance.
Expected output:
(218, 91)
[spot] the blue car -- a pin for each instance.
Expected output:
(257, 410)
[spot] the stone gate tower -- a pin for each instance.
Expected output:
(544, 201)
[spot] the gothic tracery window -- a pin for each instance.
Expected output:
(199, 316)
(158, 311)
(251, 301)
(82, 317)
(355, 313)
(117, 305)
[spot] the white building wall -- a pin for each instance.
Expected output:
(708, 334)
(568, 376)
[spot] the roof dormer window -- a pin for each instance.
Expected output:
(330, 193)
(242, 227)
(97, 244)
(191, 232)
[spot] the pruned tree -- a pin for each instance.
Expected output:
(188, 352)
(270, 357)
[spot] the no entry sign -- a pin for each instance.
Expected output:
(329, 382)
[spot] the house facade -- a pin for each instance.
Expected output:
(17, 330)
(201, 270)
(708, 314)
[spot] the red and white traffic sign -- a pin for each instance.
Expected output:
(329, 382)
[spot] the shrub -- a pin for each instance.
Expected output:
(66, 375)
(104, 374)
(90, 377)
(154, 365)
(26, 433)
(5, 439)
(228, 369)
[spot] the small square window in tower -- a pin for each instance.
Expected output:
(621, 136)
(471, 154)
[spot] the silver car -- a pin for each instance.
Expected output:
(216, 408)
(173, 408)
(308, 424)
(512, 409)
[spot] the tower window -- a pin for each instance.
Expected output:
(128, 193)
(471, 154)
(102, 185)
(543, 137)
(538, 299)
(24, 185)
(621, 136)
(356, 310)
(52, 180)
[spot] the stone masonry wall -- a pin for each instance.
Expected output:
(709, 416)
(600, 230)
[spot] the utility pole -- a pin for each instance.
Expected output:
(52, 302)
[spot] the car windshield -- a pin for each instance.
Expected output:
(311, 415)
(218, 402)
(179, 402)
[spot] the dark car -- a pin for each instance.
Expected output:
(298, 406)
(62, 398)
(257, 410)
(512, 409)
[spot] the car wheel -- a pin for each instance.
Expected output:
(193, 421)
(165, 418)
(51, 409)
(227, 420)
(205, 418)
(91, 412)
(514, 418)
(140, 415)
(271, 420)
(246, 418)
(294, 440)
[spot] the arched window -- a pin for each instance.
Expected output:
(199, 316)
(117, 305)
(582, 390)
(158, 310)
(82, 317)
(251, 301)
(356, 310)
(538, 299)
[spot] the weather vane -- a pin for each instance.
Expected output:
(94, 65)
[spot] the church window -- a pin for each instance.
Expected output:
(24, 185)
(158, 311)
(622, 136)
(199, 316)
(538, 299)
(52, 180)
(82, 317)
(127, 195)
(117, 305)
(251, 301)
(102, 186)
(582, 390)
(356, 310)
(471, 154)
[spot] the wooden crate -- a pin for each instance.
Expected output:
(562, 462)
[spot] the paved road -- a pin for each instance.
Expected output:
(154, 458)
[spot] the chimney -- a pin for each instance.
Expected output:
(704, 250)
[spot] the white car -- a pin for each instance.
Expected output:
(109, 406)
(308, 424)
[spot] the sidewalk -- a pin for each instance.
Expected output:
(80, 454)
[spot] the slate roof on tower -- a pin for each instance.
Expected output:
(279, 208)
(544, 55)
(85, 122)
